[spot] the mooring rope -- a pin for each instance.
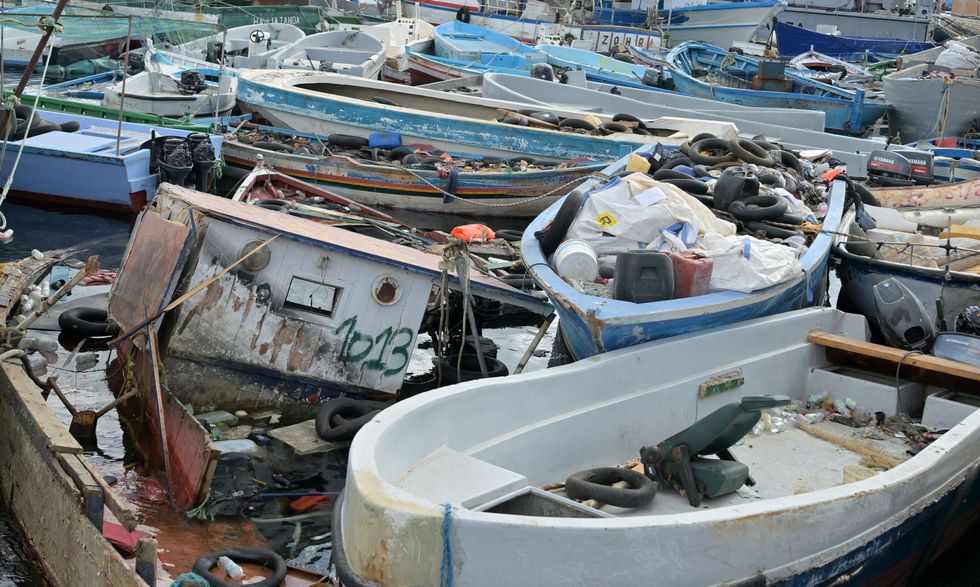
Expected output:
(446, 568)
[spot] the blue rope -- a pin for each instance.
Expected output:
(446, 570)
(190, 579)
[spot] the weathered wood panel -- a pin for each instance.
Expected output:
(45, 500)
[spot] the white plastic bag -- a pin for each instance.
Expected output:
(743, 263)
(633, 213)
(956, 55)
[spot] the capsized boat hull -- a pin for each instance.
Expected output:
(592, 325)
(880, 530)
(924, 108)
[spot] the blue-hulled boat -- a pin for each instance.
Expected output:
(602, 68)
(710, 72)
(592, 324)
(794, 40)
(426, 69)
(468, 43)
(82, 167)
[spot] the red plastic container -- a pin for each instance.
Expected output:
(692, 273)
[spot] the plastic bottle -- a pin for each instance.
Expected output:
(231, 568)
(7, 236)
(841, 407)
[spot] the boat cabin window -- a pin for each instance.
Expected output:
(310, 296)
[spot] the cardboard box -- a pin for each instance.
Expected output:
(966, 7)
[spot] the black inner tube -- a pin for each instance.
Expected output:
(596, 484)
(256, 556)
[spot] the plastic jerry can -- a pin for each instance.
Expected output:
(643, 276)
(692, 274)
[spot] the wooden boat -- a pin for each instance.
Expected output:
(866, 258)
(472, 44)
(354, 53)
(91, 172)
(737, 79)
(792, 128)
(165, 89)
(509, 518)
(954, 160)
(594, 323)
(929, 102)
(329, 274)
(426, 69)
(929, 56)
(248, 46)
(398, 36)
(324, 103)
(603, 69)
(820, 63)
(794, 40)
(460, 185)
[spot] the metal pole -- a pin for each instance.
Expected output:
(35, 57)
(534, 343)
(122, 95)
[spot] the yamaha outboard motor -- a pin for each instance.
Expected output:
(215, 52)
(203, 158)
(921, 162)
(175, 161)
(192, 82)
(889, 168)
(968, 320)
(902, 318)
(543, 71)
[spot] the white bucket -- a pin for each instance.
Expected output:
(576, 260)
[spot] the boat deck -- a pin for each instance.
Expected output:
(790, 462)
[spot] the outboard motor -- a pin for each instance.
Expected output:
(655, 78)
(902, 318)
(889, 168)
(543, 71)
(175, 161)
(921, 162)
(192, 82)
(968, 321)
(203, 158)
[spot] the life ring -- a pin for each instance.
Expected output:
(463, 14)
(340, 419)
(762, 208)
(258, 556)
(596, 484)
(86, 322)
(712, 144)
(750, 152)
(563, 219)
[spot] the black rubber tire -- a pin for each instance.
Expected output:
(865, 194)
(685, 147)
(790, 161)
(672, 163)
(701, 137)
(399, 153)
(577, 123)
(411, 159)
(276, 205)
(522, 281)
(470, 369)
(514, 121)
(624, 57)
(764, 208)
(259, 556)
(271, 146)
(624, 117)
(516, 160)
(790, 219)
(616, 127)
(509, 235)
(708, 201)
(642, 131)
(726, 165)
(712, 143)
(770, 230)
(549, 117)
(347, 141)
(385, 101)
(766, 145)
(664, 174)
(563, 219)
(748, 151)
(23, 111)
(690, 185)
(70, 126)
(771, 178)
(463, 15)
(40, 129)
(596, 484)
(86, 322)
(340, 419)
(701, 170)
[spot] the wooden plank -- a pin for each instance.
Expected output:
(893, 355)
(50, 430)
(93, 500)
(116, 504)
(961, 231)
(302, 438)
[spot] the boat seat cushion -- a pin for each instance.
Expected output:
(724, 427)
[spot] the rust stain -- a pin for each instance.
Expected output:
(249, 304)
(263, 348)
(304, 349)
(258, 329)
(212, 296)
(237, 303)
(285, 335)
